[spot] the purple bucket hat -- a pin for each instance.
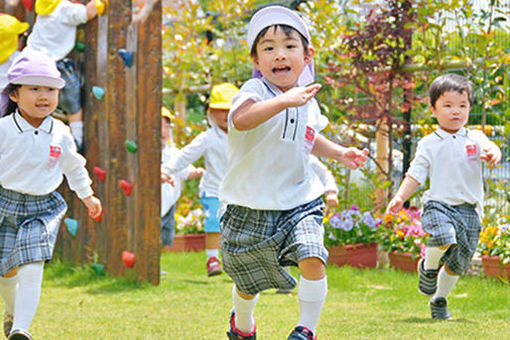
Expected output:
(31, 68)
(274, 15)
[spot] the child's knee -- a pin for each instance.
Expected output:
(312, 268)
(445, 247)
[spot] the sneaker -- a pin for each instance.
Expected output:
(7, 323)
(19, 334)
(235, 334)
(213, 266)
(301, 333)
(427, 283)
(439, 309)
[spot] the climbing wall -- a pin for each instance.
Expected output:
(122, 103)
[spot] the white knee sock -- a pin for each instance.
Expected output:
(212, 252)
(28, 294)
(244, 320)
(311, 295)
(432, 257)
(8, 286)
(77, 131)
(445, 283)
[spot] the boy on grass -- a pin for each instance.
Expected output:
(451, 157)
(274, 211)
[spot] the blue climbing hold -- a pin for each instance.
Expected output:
(127, 57)
(72, 226)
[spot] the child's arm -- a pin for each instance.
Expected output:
(251, 114)
(331, 198)
(351, 157)
(196, 173)
(95, 7)
(491, 154)
(407, 188)
(93, 205)
(187, 155)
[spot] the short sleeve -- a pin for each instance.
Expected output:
(419, 168)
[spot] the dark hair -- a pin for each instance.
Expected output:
(11, 105)
(450, 82)
(286, 29)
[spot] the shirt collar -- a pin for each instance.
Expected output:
(22, 125)
(442, 134)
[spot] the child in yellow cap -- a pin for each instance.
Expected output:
(170, 192)
(54, 33)
(10, 30)
(212, 144)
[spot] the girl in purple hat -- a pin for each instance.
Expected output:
(274, 210)
(35, 152)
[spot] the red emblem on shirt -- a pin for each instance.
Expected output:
(310, 134)
(55, 151)
(471, 150)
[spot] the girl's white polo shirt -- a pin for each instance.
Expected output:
(34, 160)
(453, 164)
(170, 194)
(55, 33)
(267, 166)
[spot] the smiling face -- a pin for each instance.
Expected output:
(35, 102)
(452, 110)
(281, 57)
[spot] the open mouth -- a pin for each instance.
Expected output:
(281, 69)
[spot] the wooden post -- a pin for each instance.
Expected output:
(130, 110)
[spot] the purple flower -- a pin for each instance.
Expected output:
(368, 219)
(347, 225)
(354, 207)
(335, 220)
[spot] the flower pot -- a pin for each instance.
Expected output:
(359, 255)
(492, 267)
(187, 242)
(403, 261)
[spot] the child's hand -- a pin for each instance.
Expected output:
(167, 179)
(491, 156)
(395, 205)
(354, 158)
(94, 206)
(298, 96)
(198, 172)
(331, 199)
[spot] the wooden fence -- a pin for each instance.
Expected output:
(129, 111)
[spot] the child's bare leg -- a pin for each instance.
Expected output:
(29, 292)
(212, 241)
(244, 305)
(312, 291)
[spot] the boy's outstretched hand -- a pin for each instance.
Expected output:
(299, 96)
(167, 179)
(354, 158)
(491, 156)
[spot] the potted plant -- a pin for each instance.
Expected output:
(351, 237)
(403, 238)
(189, 229)
(494, 247)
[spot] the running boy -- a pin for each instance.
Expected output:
(54, 33)
(212, 144)
(35, 152)
(274, 213)
(451, 157)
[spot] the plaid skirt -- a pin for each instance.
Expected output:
(456, 225)
(28, 227)
(256, 245)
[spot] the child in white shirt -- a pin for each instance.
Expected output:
(36, 151)
(451, 157)
(171, 191)
(54, 33)
(212, 144)
(274, 210)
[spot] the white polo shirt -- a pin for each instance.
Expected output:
(212, 144)
(267, 166)
(170, 194)
(55, 33)
(453, 164)
(34, 160)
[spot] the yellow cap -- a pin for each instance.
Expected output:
(10, 29)
(45, 7)
(166, 113)
(222, 95)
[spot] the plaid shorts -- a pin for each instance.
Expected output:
(28, 227)
(256, 245)
(458, 225)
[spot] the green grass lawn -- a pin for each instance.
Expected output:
(361, 304)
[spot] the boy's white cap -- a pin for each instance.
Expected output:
(274, 15)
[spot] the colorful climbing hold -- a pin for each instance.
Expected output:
(80, 47)
(128, 259)
(100, 173)
(126, 186)
(72, 226)
(126, 56)
(131, 146)
(98, 268)
(98, 92)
